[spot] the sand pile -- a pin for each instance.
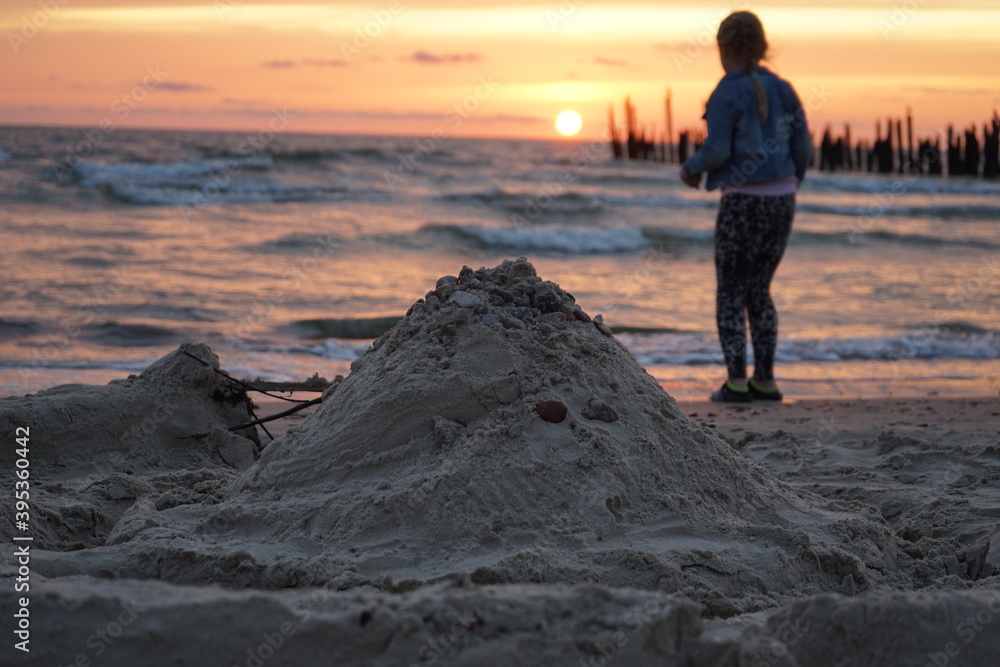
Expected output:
(99, 448)
(498, 431)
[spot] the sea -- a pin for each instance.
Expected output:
(289, 253)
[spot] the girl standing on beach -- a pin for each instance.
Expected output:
(757, 149)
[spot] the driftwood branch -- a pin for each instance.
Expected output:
(315, 383)
(246, 385)
(279, 415)
(263, 420)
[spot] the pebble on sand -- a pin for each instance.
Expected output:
(466, 300)
(598, 410)
(552, 411)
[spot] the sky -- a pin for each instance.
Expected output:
(490, 69)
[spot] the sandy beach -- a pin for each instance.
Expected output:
(951, 421)
(947, 421)
(497, 481)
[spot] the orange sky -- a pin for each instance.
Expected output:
(478, 68)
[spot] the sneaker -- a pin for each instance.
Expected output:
(726, 394)
(763, 394)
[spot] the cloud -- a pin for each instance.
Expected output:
(244, 101)
(77, 85)
(934, 90)
(88, 110)
(610, 62)
(426, 58)
(253, 110)
(182, 87)
(308, 62)
(318, 62)
(518, 119)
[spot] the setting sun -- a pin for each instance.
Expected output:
(568, 123)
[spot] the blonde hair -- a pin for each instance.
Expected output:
(743, 34)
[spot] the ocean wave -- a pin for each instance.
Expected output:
(334, 349)
(959, 327)
(618, 177)
(567, 239)
(529, 205)
(693, 348)
(312, 155)
(869, 183)
(171, 174)
(893, 348)
(297, 242)
(858, 209)
(368, 152)
(670, 237)
(343, 328)
(169, 313)
(851, 236)
(656, 201)
(913, 239)
(888, 206)
(5, 155)
(117, 334)
(18, 328)
(939, 343)
(876, 210)
(307, 155)
(262, 190)
(601, 240)
(210, 182)
(91, 262)
(848, 237)
(77, 365)
(618, 174)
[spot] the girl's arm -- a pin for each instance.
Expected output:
(800, 141)
(801, 146)
(720, 115)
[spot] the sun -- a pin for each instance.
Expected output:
(568, 123)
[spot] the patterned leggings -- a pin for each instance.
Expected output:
(751, 233)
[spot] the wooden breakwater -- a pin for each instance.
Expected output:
(956, 153)
(641, 142)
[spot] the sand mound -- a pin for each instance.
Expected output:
(101, 447)
(497, 430)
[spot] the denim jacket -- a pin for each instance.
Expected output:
(740, 148)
